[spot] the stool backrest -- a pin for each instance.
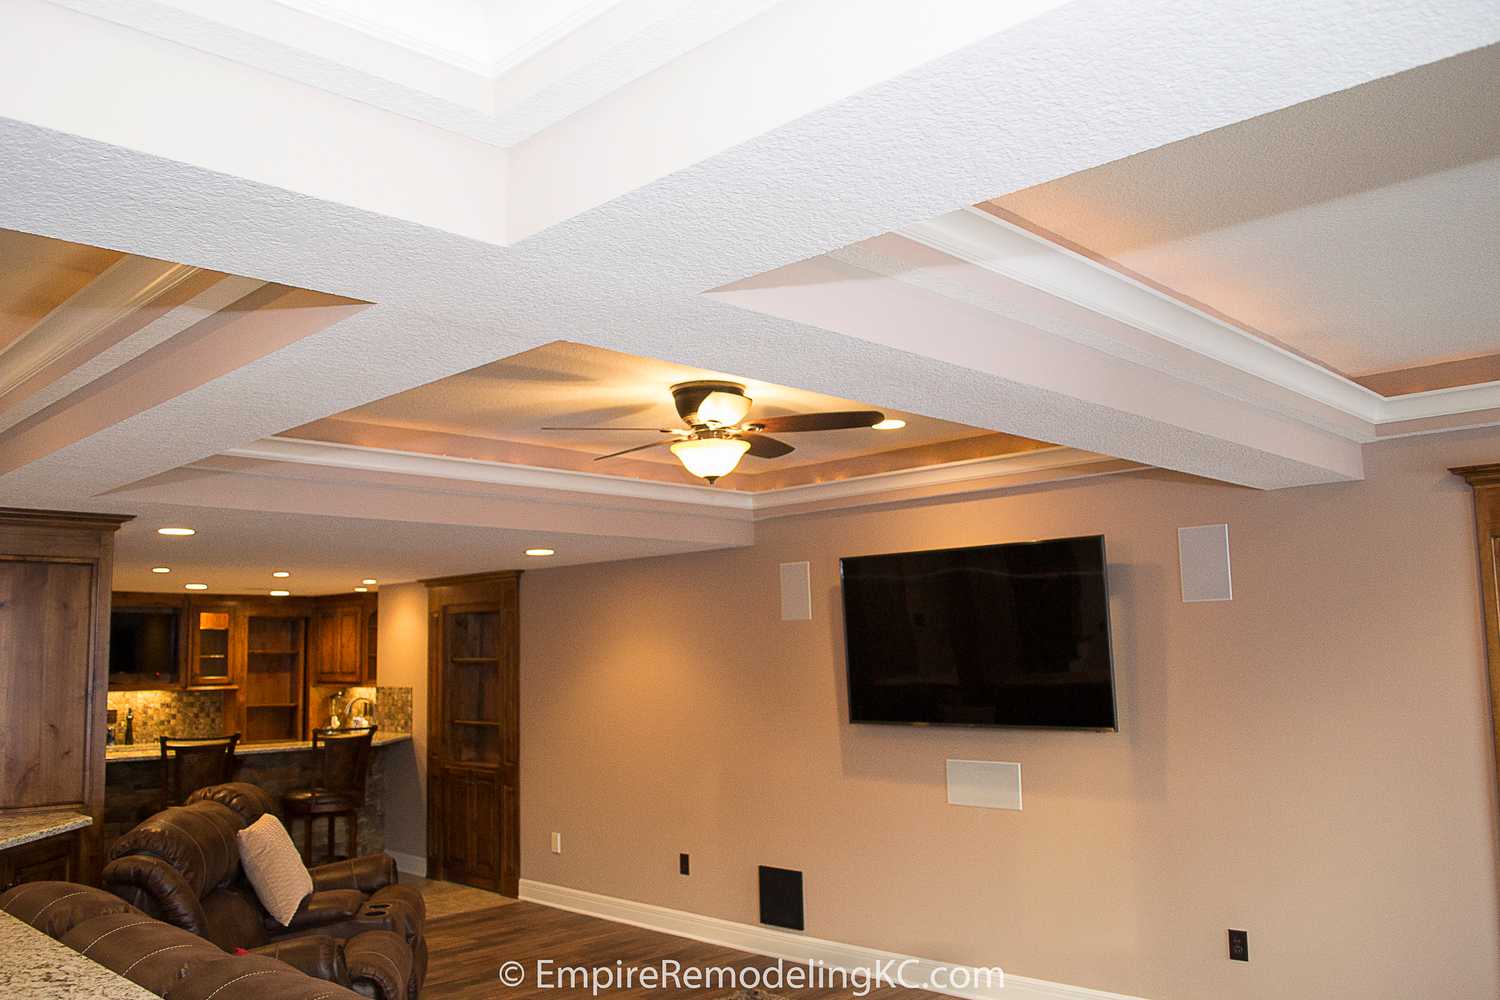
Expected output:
(346, 759)
(188, 764)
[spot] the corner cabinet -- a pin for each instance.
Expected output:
(473, 794)
(55, 572)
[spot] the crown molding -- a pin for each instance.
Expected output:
(946, 480)
(1000, 247)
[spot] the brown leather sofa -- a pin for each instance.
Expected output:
(178, 965)
(182, 866)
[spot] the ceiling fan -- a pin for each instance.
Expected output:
(717, 435)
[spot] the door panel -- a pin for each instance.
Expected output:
(45, 697)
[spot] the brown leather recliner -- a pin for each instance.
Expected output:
(182, 866)
(178, 965)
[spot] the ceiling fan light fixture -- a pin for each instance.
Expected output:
(723, 409)
(710, 457)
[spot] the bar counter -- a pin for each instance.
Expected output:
(133, 784)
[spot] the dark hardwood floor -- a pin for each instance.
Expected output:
(468, 949)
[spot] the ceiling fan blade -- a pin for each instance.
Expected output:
(832, 421)
(626, 451)
(767, 447)
(659, 430)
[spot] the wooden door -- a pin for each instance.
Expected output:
(473, 797)
(45, 649)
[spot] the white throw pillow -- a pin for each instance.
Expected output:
(274, 867)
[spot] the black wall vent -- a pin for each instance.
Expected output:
(781, 897)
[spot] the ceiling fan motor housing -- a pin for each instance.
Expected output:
(689, 396)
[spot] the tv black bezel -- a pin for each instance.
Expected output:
(1109, 641)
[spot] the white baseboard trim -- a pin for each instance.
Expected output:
(792, 946)
(410, 864)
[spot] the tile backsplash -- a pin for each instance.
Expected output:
(393, 708)
(392, 704)
(201, 713)
(168, 713)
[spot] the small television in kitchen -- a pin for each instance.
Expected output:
(143, 644)
(994, 635)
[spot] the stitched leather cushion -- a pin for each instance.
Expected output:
(379, 962)
(54, 908)
(274, 868)
(251, 802)
(197, 840)
(233, 918)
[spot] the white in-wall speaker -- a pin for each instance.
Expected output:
(988, 784)
(796, 592)
(1203, 557)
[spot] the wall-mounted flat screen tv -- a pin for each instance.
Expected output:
(143, 642)
(995, 635)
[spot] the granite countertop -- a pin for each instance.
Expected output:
(39, 968)
(152, 751)
(23, 827)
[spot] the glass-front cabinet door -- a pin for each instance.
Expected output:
(471, 685)
(209, 660)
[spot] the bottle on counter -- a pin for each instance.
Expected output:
(129, 726)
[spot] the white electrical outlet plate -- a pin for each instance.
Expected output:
(557, 843)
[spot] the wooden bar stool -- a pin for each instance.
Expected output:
(345, 762)
(190, 763)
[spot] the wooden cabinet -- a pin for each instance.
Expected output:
(53, 859)
(148, 641)
(55, 570)
(212, 659)
(473, 731)
(342, 653)
(274, 680)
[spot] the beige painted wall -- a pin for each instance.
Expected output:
(403, 662)
(1309, 761)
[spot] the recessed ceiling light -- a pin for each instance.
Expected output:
(889, 424)
(281, 574)
(361, 590)
(281, 593)
(195, 586)
(161, 569)
(369, 583)
(541, 552)
(176, 531)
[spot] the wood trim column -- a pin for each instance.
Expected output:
(1485, 479)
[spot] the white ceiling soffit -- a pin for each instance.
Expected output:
(978, 238)
(496, 72)
(998, 112)
(277, 457)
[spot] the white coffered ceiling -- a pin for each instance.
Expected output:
(779, 194)
(1361, 230)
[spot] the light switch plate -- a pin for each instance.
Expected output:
(988, 784)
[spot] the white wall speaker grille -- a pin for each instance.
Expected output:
(796, 592)
(1203, 556)
(988, 784)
